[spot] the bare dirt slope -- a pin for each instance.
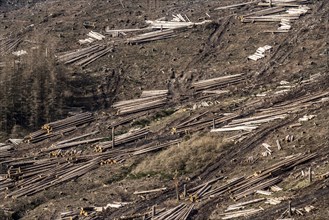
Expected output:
(290, 82)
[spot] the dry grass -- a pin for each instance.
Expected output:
(187, 157)
(162, 122)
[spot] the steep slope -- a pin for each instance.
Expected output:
(275, 108)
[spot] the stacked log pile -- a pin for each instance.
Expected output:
(152, 93)
(85, 56)
(27, 176)
(181, 211)
(151, 36)
(206, 123)
(299, 103)
(72, 142)
(274, 14)
(279, 111)
(92, 37)
(242, 213)
(43, 134)
(34, 178)
(284, 3)
(260, 53)
(241, 205)
(122, 139)
(241, 187)
(59, 128)
(149, 100)
(217, 83)
(8, 45)
(5, 151)
(117, 32)
(250, 123)
(157, 30)
(90, 212)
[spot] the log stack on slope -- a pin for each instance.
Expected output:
(122, 139)
(151, 36)
(8, 45)
(279, 111)
(149, 100)
(283, 3)
(40, 175)
(278, 14)
(85, 56)
(241, 187)
(5, 151)
(217, 83)
(163, 30)
(59, 128)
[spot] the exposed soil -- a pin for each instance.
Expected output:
(215, 49)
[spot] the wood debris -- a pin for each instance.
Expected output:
(149, 100)
(276, 112)
(34, 176)
(85, 56)
(122, 139)
(207, 122)
(5, 151)
(151, 36)
(306, 118)
(285, 3)
(8, 45)
(243, 213)
(59, 128)
(173, 24)
(19, 53)
(181, 211)
(15, 141)
(91, 211)
(72, 144)
(150, 191)
(260, 53)
(219, 82)
(115, 32)
(96, 35)
(241, 187)
(249, 124)
(263, 192)
(242, 204)
(278, 14)
(92, 37)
